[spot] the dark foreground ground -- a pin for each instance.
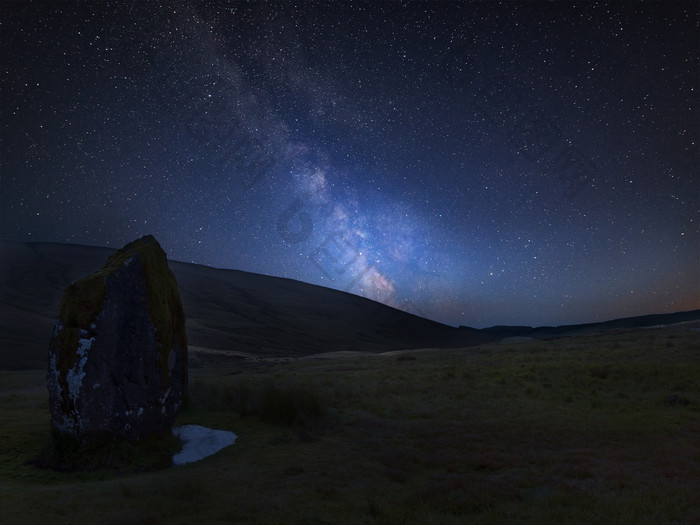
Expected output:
(589, 429)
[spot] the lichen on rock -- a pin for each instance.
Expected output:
(75, 375)
(118, 353)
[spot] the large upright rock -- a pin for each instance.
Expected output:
(118, 353)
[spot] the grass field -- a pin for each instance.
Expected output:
(595, 429)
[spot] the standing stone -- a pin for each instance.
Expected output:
(118, 353)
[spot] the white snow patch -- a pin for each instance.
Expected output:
(200, 442)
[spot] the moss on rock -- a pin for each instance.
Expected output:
(164, 303)
(80, 305)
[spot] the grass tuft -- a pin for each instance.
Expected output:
(217, 394)
(270, 402)
(291, 405)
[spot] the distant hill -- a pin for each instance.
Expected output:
(226, 310)
(547, 332)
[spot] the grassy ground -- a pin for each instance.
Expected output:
(597, 429)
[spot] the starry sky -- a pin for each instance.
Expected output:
(474, 163)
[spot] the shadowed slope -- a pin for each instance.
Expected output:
(225, 309)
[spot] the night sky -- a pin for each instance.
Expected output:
(474, 163)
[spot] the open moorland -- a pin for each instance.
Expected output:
(589, 429)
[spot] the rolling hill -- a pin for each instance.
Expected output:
(237, 313)
(226, 310)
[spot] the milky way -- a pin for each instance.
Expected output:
(477, 164)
